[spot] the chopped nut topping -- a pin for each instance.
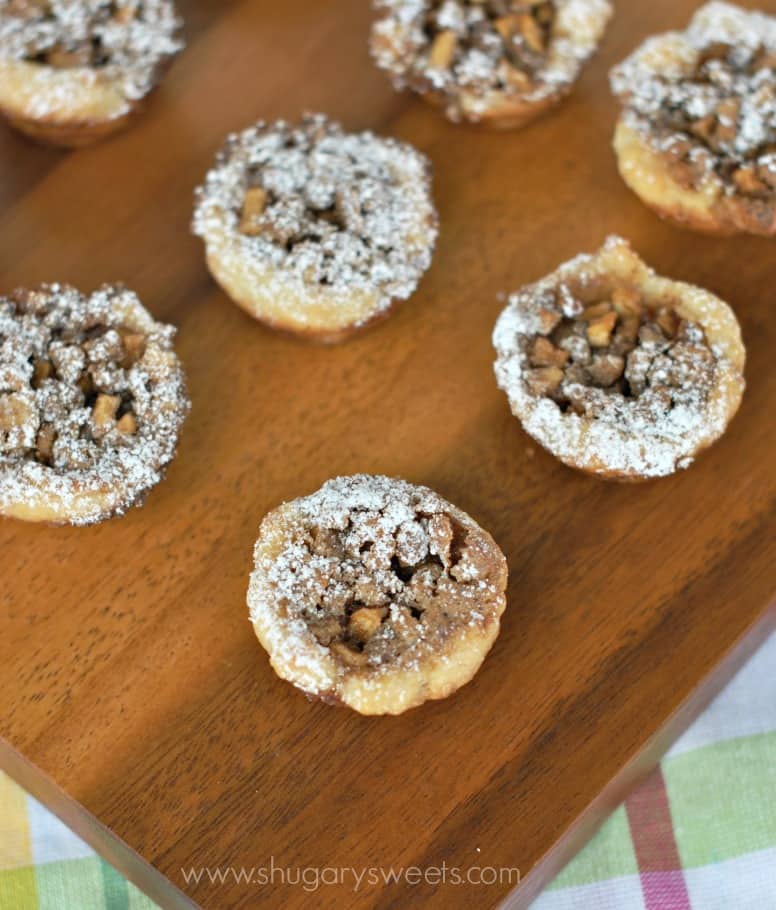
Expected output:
(105, 408)
(253, 208)
(127, 424)
(86, 398)
(599, 330)
(134, 347)
(364, 622)
(45, 443)
(544, 380)
(720, 116)
(464, 52)
(330, 212)
(544, 353)
(381, 572)
(42, 370)
(620, 345)
(648, 400)
(442, 50)
(130, 40)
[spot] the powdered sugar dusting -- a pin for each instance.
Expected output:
(374, 572)
(344, 212)
(492, 58)
(650, 433)
(124, 44)
(707, 96)
(63, 357)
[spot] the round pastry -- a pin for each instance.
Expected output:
(618, 371)
(74, 71)
(316, 231)
(498, 62)
(697, 137)
(92, 398)
(375, 594)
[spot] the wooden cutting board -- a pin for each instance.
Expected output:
(134, 698)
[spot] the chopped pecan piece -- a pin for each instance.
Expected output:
(443, 50)
(591, 313)
(127, 424)
(104, 411)
(747, 180)
(42, 369)
(544, 380)
(627, 302)
(599, 331)
(544, 353)
(668, 321)
(364, 622)
(606, 369)
(45, 442)
(254, 203)
(134, 348)
(548, 319)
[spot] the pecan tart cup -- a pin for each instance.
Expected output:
(316, 231)
(92, 399)
(696, 140)
(375, 594)
(617, 371)
(497, 62)
(75, 71)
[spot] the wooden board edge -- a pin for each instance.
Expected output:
(640, 765)
(100, 838)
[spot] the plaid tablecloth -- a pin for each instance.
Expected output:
(699, 834)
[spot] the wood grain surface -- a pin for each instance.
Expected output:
(134, 697)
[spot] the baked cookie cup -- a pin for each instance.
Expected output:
(697, 137)
(617, 371)
(501, 63)
(92, 399)
(315, 231)
(73, 72)
(375, 594)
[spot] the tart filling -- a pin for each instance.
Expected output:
(704, 101)
(92, 398)
(616, 370)
(322, 228)
(376, 593)
(475, 55)
(71, 46)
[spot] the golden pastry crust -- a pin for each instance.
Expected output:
(697, 137)
(501, 63)
(375, 594)
(70, 76)
(616, 370)
(315, 231)
(92, 398)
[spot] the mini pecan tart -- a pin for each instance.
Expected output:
(498, 62)
(697, 137)
(618, 371)
(375, 594)
(316, 231)
(92, 398)
(75, 71)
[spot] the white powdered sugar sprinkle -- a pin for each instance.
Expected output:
(345, 212)
(123, 43)
(71, 367)
(649, 430)
(374, 550)
(708, 97)
(495, 54)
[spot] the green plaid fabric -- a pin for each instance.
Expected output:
(699, 834)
